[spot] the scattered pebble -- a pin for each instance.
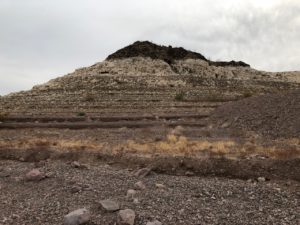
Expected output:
(21, 159)
(131, 194)
(261, 179)
(75, 189)
(143, 172)
(181, 211)
(155, 222)
(76, 164)
(189, 173)
(135, 200)
(139, 185)
(39, 164)
(160, 186)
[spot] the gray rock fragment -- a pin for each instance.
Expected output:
(109, 205)
(143, 172)
(155, 222)
(131, 194)
(76, 164)
(126, 217)
(34, 175)
(77, 217)
(139, 185)
(160, 186)
(261, 179)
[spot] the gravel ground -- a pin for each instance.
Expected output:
(184, 200)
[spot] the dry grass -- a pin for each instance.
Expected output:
(43, 143)
(172, 146)
(177, 146)
(181, 146)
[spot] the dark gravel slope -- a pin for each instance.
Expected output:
(271, 115)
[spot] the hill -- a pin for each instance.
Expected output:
(145, 78)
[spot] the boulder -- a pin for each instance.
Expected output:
(126, 217)
(77, 217)
(34, 175)
(109, 205)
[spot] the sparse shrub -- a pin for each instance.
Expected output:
(237, 133)
(42, 143)
(247, 94)
(81, 114)
(207, 133)
(89, 97)
(215, 97)
(177, 131)
(3, 115)
(180, 96)
(291, 153)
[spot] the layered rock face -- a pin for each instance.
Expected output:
(148, 85)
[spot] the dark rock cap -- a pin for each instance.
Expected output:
(168, 54)
(148, 49)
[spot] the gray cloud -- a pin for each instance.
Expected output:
(42, 39)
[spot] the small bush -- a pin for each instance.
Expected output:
(215, 97)
(89, 97)
(81, 114)
(179, 96)
(247, 94)
(3, 115)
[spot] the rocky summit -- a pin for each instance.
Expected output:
(145, 78)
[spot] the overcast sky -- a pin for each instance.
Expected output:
(43, 39)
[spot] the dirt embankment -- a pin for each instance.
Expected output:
(271, 115)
